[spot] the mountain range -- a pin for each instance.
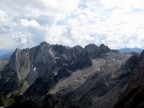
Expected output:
(129, 50)
(4, 54)
(56, 76)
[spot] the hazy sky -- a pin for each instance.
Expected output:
(116, 23)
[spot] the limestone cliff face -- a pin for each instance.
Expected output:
(44, 65)
(15, 71)
(70, 77)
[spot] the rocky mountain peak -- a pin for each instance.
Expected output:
(104, 48)
(88, 73)
(91, 46)
(78, 47)
(95, 51)
(43, 43)
(17, 50)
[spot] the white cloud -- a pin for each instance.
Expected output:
(3, 17)
(61, 6)
(117, 23)
(125, 4)
(23, 40)
(31, 23)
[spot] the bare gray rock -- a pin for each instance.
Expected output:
(56, 75)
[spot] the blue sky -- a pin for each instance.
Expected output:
(116, 23)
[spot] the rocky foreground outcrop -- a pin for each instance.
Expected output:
(133, 97)
(56, 76)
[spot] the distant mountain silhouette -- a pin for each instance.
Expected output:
(5, 54)
(129, 50)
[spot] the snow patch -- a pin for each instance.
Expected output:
(34, 69)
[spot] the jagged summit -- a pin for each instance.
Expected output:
(104, 48)
(54, 75)
(95, 51)
(43, 43)
(91, 46)
(31, 64)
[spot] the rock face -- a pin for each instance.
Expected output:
(134, 94)
(93, 50)
(42, 64)
(56, 76)
(15, 71)
(103, 88)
